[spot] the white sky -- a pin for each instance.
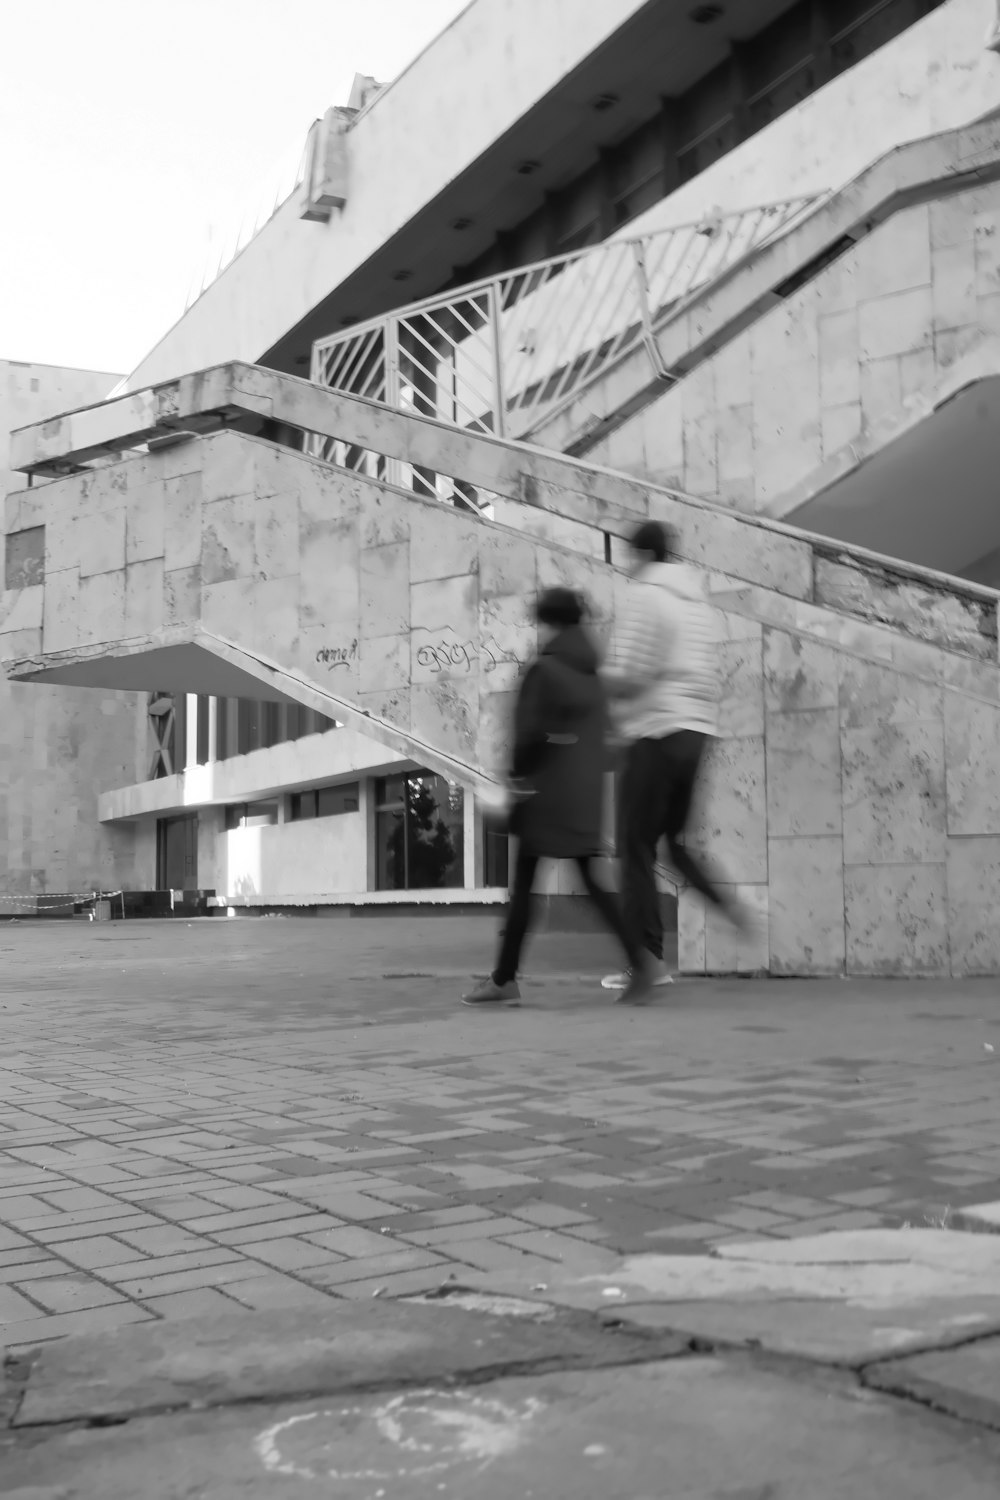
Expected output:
(128, 128)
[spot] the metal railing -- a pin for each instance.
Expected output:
(504, 354)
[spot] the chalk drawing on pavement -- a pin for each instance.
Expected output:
(418, 1434)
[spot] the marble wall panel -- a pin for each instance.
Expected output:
(438, 547)
(804, 794)
(144, 597)
(100, 541)
(385, 664)
(445, 714)
(691, 928)
(182, 596)
(101, 608)
(729, 951)
(60, 612)
(896, 919)
(276, 534)
(799, 673)
(507, 565)
(973, 903)
(894, 802)
(182, 521)
(385, 589)
(330, 572)
(741, 681)
(730, 824)
(871, 693)
(144, 533)
(806, 894)
(972, 760)
(228, 541)
(333, 656)
(392, 705)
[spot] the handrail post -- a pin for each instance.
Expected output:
(642, 289)
(390, 353)
(499, 407)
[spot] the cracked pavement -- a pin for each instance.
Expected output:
(272, 1126)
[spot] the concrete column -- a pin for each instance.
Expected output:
(471, 843)
(366, 807)
(213, 730)
(191, 730)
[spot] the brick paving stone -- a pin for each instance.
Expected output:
(269, 1292)
(186, 1281)
(99, 1251)
(351, 1241)
(26, 1334)
(165, 1265)
(373, 1266)
(753, 1109)
(454, 1234)
(64, 1294)
(164, 1239)
(78, 1227)
(290, 1254)
(14, 1306)
(277, 1229)
(207, 1302)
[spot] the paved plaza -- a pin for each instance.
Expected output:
(267, 1114)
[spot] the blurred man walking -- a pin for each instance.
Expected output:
(663, 676)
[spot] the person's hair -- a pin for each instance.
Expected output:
(653, 536)
(559, 607)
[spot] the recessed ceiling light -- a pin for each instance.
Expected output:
(527, 167)
(605, 101)
(462, 223)
(704, 15)
(402, 275)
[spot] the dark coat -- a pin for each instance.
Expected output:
(560, 755)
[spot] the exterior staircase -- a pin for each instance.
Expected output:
(189, 538)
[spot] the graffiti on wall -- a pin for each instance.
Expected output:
(448, 655)
(333, 657)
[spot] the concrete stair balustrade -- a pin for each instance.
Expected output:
(852, 798)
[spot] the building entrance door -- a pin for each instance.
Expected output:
(177, 853)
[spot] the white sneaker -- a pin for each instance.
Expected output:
(659, 975)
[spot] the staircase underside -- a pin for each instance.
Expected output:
(853, 797)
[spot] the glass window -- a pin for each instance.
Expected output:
(332, 800)
(782, 96)
(711, 147)
(326, 802)
(251, 815)
(419, 833)
(496, 858)
(881, 25)
(301, 805)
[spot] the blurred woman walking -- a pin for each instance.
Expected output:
(557, 782)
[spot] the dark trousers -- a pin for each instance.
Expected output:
(658, 786)
(519, 914)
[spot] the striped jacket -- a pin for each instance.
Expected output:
(664, 656)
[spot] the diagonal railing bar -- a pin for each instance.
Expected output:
(501, 354)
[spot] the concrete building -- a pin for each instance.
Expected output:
(59, 750)
(734, 265)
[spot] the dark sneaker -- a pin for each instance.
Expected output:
(659, 973)
(489, 993)
(639, 989)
